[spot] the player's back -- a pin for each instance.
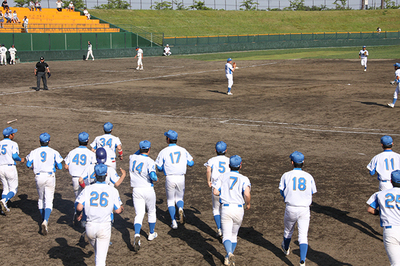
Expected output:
(7, 149)
(219, 166)
(109, 143)
(389, 208)
(385, 163)
(44, 159)
(228, 68)
(78, 159)
(89, 176)
(232, 185)
(174, 159)
(140, 167)
(298, 187)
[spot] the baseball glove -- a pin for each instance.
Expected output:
(392, 83)
(48, 74)
(234, 64)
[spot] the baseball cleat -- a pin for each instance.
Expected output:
(219, 232)
(365, 70)
(152, 236)
(4, 207)
(174, 224)
(302, 263)
(391, 105)
(287, 252)
(136, 244)
(226, 261)
(44, 228)
(182, 217)
(137, 68)
(229, 93)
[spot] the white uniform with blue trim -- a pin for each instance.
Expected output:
(43, 161)
(385, 163)
(78, 160)
(396, 92)
(89, 177)
(90, 52)
(229, 74)
(364, 57)
(231, 185)
(298, 187)
(8, 170)
(388, 202)
(143, 194)
(219, 166)
(109, 143)
(99, 201)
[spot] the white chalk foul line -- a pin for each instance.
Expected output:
(233, 121)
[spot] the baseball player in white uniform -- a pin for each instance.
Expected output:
(142, 170)
(90, 51)
(233, 190)
(397, 83)
(297, 188)
(3, 56)
(99, 200)
(229, 69)
(110, 143)
(12, 52)
(216, 166)
(384, 163)
(9, 155)
(172, 160)
(386, 203)
(44, 161)
(139, 56)
(167, 50)
(363, 55)
(78, 160)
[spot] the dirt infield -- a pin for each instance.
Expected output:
(330, 110)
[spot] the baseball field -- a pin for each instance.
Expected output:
(329, 109)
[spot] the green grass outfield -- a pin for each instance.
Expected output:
(175, 23)
(376, 52)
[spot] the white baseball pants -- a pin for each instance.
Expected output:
(77, 188)
(45, 185)
(139, 62)
(3, 59)
(9, 178)
(231, 220)
(99, 235)
(364, 61)
(383, 185)
(12, 59)
(391, 240)
(144, 197)
(216, 204)
(301, 215)
(175, 189)
(396, 92)
(89, 53)
(229, 77)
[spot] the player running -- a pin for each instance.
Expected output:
(363, 55)
(100, 200)
(217, 166)
(297, 188)
(172, 160)
(9, 155)
(143, 174)
(44, 161)
(384, 163)
(234, 191)
(397, 82)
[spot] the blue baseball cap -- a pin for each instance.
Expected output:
(171, 134)
(395, 175)
(83, 137)
(364, 46)
(229, 59)
(235, 161)
(108, 127)
(386, 140)
(297, 157)
(220, 146)
(8, 131)
(100, 169)
(44, 137)
(397, 65)
(145, 144)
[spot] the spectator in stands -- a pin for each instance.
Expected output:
(7, 16)
(5, 5)
(31, 6)
(1, 20)
(15, 17)
(71, 7)
(38, 6)
(25, 23)
(59, 5)
(86, 12)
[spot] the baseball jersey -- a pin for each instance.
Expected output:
(26, 20)
(385, 163)
(298, 187)
(99, 200)
(89, 177)
(140, 167)
(397, 73)
(3, 50)
(139, 53)
(8, 149)
(228, 69)
(89, 47)
(219, 165)
(44, 160)
(109, 143)
(167, 50)
(232, 185)
(78, 160)
(173, 159)
(389, 206)
(12, 50)
(363, 53)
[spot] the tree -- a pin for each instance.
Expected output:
(114, 4)
(297, 5)
(340, 4)
(390, 4)
(199, 5)
(161, 5)
(77, 4)
(21, 3)
(249, 5)
(179, 5)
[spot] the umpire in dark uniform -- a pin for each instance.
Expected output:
(40, 73)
